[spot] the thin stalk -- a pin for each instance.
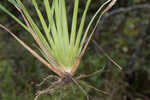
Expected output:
(57, 71)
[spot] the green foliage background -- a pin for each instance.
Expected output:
(125, 36)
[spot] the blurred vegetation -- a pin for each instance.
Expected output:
(123, 33)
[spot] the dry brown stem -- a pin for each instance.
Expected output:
(67, 81)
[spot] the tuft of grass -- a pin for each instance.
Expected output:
(60, 51)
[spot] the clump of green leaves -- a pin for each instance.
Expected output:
(60, 49)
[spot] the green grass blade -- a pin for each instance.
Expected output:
(57, 48)
(43, 23)
(64, 22)
(78, 39)
(34, 26)
(49, 12)
(12, 16)
(17, 20)
(74, 23)
(53, 27)
(45, 46)
(58, 17)
(97, 12)
(59, 28)
(72, 52)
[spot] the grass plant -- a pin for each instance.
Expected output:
(61, 50)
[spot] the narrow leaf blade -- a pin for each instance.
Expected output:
(13, 2)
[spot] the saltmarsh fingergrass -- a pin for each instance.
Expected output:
(61, 50)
